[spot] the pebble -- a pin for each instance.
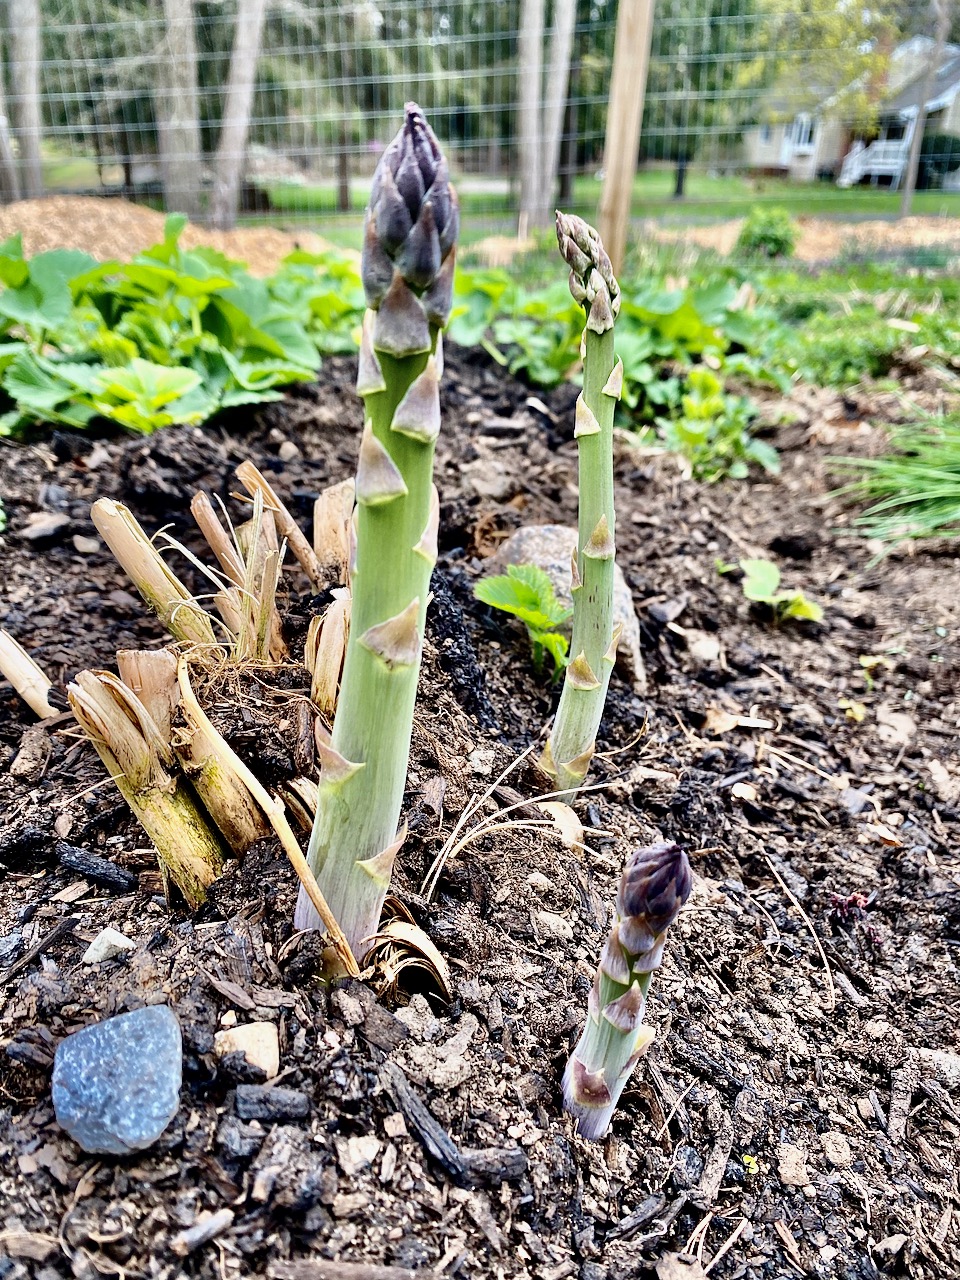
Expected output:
(837, 1149)
(550, 546)
(261, 1102)
(288, 451)
(44, 526)
(107, 945)
(792, 1165)
(259, 1042)
(687, 1168)
(86, 546)
(116, 1084)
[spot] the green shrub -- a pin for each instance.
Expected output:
(767, 233)
(712, 431)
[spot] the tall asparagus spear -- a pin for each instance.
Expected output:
(656, 882)
(572, 741)
(407, 268)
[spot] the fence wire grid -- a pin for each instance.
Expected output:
(745, 100)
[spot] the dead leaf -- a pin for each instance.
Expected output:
(880, 831)
(399, 945)
(566, 821)
(672, 1266)
(719, 721)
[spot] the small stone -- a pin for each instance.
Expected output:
(84, 545)
(489, 478)
(356, 1154)
(865, 1109)
(394, 1125)
(116, 1084)
(44, 526)
(550, 547)
(107, 945)
(554, 926)
(541, 883)
(348, 1007)
(687, 1168)
(258, 1042)
(481, 761)
(792, 1165)
(837, 1149)
(288, 451)
(261, 1102)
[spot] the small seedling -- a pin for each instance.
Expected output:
(761, 578)
(527, 593)
(713, 432)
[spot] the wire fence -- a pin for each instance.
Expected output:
(276, 108)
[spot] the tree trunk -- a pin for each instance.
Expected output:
(530, 60)
(679, 187)
(343, 173)
(178, 122)
(941, 11)
(232, 148)
(568, 155)
(25, 76)
(555, 101)
(9, 177)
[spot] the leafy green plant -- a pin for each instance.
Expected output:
(761, 580)
(767, 233)
(914, 490)
(526, 592)
(712, 431)
(173, 336)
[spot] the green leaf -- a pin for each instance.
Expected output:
(150, 385)
(526, 592)
(760, 579)
(794, 604)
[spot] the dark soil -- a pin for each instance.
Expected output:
(801, 1102)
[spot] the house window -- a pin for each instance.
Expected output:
(765, 133)
(803, 132)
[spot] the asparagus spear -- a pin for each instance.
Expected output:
(407, 268)
(593, 648)
(656, 882)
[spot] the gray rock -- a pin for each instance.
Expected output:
(549, 547)
(116, 1084)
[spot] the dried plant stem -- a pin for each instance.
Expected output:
(157, 583)
(287, 527)
(27, 678)
(141, 763)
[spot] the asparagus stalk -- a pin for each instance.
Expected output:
(407, 268)
(656, 882)
(593, 648)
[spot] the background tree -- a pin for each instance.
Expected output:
(24, 37)
(177, 112)
(234, 130)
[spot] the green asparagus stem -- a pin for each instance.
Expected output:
(593, 649)
(656, 882)
(407, 268)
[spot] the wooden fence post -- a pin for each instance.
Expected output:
(631, 58)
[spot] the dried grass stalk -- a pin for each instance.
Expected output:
(27, 678)
(324, 650)
(332, 513)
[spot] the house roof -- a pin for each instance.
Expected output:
(946, 84)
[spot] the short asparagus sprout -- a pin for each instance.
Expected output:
(656, 882)
(593, 648)
(407, 269)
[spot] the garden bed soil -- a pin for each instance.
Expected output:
(799, 1112)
